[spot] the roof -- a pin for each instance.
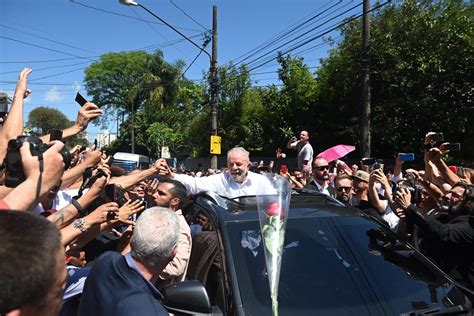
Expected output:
(301, 205)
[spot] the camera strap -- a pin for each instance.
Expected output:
(40, 180)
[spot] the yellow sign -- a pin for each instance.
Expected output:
(215, 145)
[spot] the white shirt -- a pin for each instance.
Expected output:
(305, 152)
(323, 189)
(224, 185)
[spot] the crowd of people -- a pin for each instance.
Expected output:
(81, 236)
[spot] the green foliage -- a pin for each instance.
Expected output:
(421, 58)
(42, 120)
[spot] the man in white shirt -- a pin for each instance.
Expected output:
(304, 149)
(237, 181)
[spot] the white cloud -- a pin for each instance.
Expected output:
(76, 86)
(53, 95)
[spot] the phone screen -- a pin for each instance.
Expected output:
(80, 99)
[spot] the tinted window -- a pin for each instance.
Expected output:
(337, 266)
(127, 165)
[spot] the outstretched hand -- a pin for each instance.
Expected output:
(21, 86)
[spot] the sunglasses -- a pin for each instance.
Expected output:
(322, 168)
(347, 189)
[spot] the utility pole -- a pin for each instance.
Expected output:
(213, 80)
(365, 96)
(214, 85)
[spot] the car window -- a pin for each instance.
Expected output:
(337, 266)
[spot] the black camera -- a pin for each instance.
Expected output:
(415, 191)
(13, 165)
(4, 101)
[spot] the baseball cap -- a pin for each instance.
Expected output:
(361, 175)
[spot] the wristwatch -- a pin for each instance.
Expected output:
(79, 224)
(81, 211)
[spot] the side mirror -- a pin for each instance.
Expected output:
(189, 297)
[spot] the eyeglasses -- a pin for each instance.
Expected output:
(322, 168)
(347, 189)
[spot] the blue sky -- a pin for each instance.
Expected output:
(58, 39)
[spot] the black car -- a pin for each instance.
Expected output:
(336, 261)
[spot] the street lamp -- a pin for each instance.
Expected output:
(213, 68)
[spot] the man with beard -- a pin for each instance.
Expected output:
(237, 181)
(172, 194)
(449, 244)
(343, 185)
(320, 180)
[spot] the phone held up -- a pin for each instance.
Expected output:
(80, 99)
(55, 134)
(406, 156)
(452, 146)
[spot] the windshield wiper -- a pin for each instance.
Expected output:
(453, 310)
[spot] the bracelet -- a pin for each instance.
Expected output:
(82, 212)
(79, 224)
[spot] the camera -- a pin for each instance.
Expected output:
(453, 146)
(4, 101)
(14, 167)
(415, 191)
(437, 137)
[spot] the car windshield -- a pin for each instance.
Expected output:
(127, 165)
(337, 265)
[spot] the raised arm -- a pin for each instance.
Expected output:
(291, 144)
(86, 114)
(13, 125)
(23, 196)
(373, 195)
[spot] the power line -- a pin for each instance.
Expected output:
(46, 48)
(46, 68)
(38, 61)
(305, 33)
(47, 39)
(148, 47)
(298, 45)
(285, 34)
(189, 16)
(127, 16)
(58, 74)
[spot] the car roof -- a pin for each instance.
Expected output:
(302, 204)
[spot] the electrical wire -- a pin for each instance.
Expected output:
(46, 68)
(128, 16)
(46, 48)
(305, 33)
(189, 16)
(47, 39)
(287, 33)
(322, 34)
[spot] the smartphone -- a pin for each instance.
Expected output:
(438, 137)
(453, 146)
(95, 143)
(80, 99)
(368, 161)
(283, 169)
(406, 156)
(55, 134)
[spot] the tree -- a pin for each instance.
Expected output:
(146, 85)
(421, 77)
(42, 120)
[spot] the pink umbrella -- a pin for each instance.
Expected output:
(336, 152)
